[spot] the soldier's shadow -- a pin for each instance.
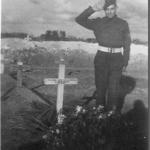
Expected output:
(127, 85)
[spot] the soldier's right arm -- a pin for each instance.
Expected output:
(83, 18)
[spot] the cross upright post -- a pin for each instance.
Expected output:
(60, 81)
(60, 89)
(2, 64)
(19, 74)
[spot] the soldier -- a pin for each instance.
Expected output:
(113, 37)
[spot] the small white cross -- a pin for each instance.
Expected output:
(28, 38)
(60, 81)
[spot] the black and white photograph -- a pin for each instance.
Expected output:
(74, 75)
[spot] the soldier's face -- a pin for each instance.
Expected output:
(110, 11)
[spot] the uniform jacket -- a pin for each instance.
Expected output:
(110, 32)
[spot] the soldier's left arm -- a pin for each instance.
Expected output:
(127, 44)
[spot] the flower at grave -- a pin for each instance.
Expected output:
(97, 126)
(51, 130)
(83, 110)
(110, 113)
(94, 108)
(100, 117)
(57, 131)
(78, 109)
(61, 118)
(45, 137)
(100, 108)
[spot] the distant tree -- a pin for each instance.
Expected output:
(138, 41)
(55, 35)
(42, 37)
(91, 40)
(14, 35)
(48, 35)
(51, 35)
(62, 35)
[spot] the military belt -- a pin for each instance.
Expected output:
(110, 49)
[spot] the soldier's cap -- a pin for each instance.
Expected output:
(108, 3)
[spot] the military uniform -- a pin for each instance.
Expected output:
(111, 33)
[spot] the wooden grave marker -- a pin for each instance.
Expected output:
(61, 81)
(19, 74)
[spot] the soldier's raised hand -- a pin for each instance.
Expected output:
(99, 5)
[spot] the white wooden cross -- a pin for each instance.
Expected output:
(19, 73)
(60, 81)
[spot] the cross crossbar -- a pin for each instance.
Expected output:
(54, 81)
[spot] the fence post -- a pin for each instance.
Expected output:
(2, 64)
(19, 74)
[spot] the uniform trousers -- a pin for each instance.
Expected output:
(108, 71)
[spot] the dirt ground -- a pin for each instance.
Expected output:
(21, 106)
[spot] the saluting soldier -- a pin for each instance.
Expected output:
(113, 37)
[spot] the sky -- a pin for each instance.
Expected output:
(36, 16)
